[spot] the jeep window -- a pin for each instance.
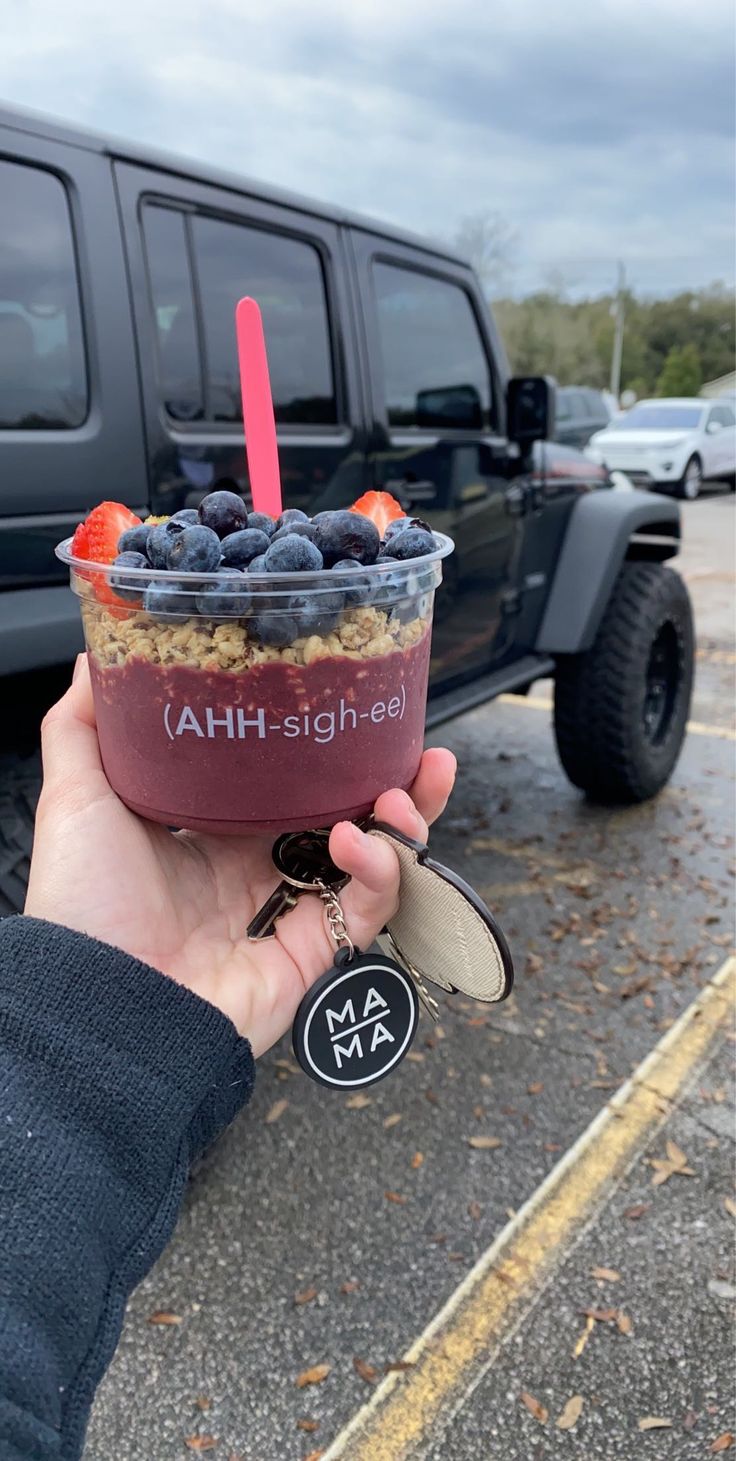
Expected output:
(285, 276)
(656, 417)
(723, 415)
(43, 375)
(435, 370)
(178, 357)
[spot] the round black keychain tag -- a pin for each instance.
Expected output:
(356, 1023)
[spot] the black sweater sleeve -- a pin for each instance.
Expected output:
(111, 1079)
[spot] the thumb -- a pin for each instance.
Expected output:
(372, 896)
(72, 766)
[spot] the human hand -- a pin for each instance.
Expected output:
(181, 901)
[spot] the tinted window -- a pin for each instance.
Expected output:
(434, 366)
(285, 276)
(43, 379)
(595, 405)
(651, 417)
(724, 415)
(563, 410)
(178, 360)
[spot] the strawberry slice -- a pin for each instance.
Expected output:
(96, 540)
(380, 507)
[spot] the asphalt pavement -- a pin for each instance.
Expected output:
(322, 1233)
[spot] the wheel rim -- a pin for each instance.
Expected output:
(693, 480)
(662, 684)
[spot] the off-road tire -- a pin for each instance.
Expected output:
(607, 738)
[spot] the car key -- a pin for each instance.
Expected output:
(305, 865)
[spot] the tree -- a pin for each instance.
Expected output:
(488, 241)
(682, 374)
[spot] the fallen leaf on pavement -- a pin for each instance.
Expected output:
(723, 1442)
(313, 1376)
(203, 1402)
(534, 1407)
(417, 1160)
(637, 1211)
(486, 1079)
(392, 1121)
(277, 1110)
(607, 1275)
(675, 1163)
(305, 1296)
(570, 1413)
(536, 1088)
(358, 1101)
(399, 1366)
(350, 1286)
(623, 1322)
(314, 1455)
(474, 1209)
(200, 1443)
(162, 1316)
(365, 1371)
(654, 1423)
(584, 1337)
(730, 1205)
(484, 1143)
(600, 1316)
(307, 1425)
(395, 1197)
(689, 1420)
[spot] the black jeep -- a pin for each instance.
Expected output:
(119, 272)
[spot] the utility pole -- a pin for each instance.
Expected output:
(618, 335)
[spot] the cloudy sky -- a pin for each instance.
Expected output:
(596, 131)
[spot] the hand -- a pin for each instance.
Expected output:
(181, 901)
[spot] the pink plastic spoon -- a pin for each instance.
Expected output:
(258, 420)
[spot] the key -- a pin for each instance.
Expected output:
(305, 865)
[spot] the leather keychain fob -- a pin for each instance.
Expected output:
(442, 930)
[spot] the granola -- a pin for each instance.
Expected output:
(362, 633)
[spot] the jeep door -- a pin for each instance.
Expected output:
(437, 443)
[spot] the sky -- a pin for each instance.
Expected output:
(592, 132)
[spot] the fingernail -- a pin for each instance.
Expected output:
(77, 666)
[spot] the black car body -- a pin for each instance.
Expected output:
(119, 272)
(579, 412)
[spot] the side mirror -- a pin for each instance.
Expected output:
(713, 428)
(530, 408)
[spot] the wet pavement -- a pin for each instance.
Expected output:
(331, 1235)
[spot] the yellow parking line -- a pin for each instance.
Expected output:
(694, 727)
(408, 1412)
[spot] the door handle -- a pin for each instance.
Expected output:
(516, 500)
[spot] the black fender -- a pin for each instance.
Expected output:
(605, 527)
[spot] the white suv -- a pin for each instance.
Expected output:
(671, 445)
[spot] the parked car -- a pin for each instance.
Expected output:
(671, 445)
(119, 272)
(579, 412)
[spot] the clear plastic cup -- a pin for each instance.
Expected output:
(291, 703)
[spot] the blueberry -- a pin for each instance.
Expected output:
(347, 535)
(397, 526)
(160, 539)
(134, 540)
(291, 515)
(412, 543)
(258, 565)
(302, 530)
(223, 512)
(359, 592)
(239, 549)
(225, 598)
(263, 522)
(128, 588)
(165, 600)
(188, 516)
(293, 554)
(316, 613)
(275, 629)
(196, 550)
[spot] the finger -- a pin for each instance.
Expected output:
(433, 784)
(372, 896)
(69, 745)
(398, 810)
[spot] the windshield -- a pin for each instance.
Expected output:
(657, 418)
